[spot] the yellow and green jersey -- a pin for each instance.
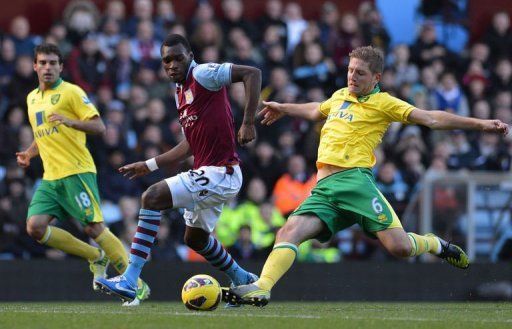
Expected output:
(355, 126)
(61, 148)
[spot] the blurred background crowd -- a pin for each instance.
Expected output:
(113, 54)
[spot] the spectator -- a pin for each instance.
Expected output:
(310, 36)
(463, 155)
(204, 12)
(112, 184)
(482, 110)
(390, 183)
(59, 32)
(115, 10)
(347, 37)
(233, 19)
(263, 217)
(165, 18)
(81, 17)
(450, 97)
(24, 43)
(427, 49)
(329, 18)
(206, 34)
(502, 78)
(23, 81)
(272, 20)
(317, 71)
(122, 70)
(7, 63)
(142, 12)
(294, 186)
(244, 248)
(373, 31)
(263, 163)
(87, 66)
(109, 38)
(499, 36)
(295, 25)
(145, 48)
(405, 71)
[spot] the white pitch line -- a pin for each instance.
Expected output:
(213, 315)
(199, 314)
(424, 319)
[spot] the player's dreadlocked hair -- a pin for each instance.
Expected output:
(373, 56)
(47, 48)
(175, 39)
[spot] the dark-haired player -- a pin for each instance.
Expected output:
(205, 115)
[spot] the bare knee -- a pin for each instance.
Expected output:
(287, 232)
(157, 197)
(36, 229)
(400, 250)
(94, 229)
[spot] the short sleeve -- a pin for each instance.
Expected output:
(397, 109)
(325, 107)
(213, 76)
(81, 105)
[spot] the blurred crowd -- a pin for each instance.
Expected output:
(114, 56)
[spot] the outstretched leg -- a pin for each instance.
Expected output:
(296, 230)
(402, 244)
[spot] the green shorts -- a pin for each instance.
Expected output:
(346, 198)
(73, 196)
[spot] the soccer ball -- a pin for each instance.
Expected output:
(201, 293)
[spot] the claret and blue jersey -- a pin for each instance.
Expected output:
(205, 114)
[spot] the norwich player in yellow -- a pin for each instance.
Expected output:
(61, 115)
(356, 119)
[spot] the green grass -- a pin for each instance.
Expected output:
(275, 315)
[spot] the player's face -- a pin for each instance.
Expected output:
(176, 60)
(361, 80)
(48, 68)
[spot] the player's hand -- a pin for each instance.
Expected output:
(246, 133)
(59, 119)
(23, 159)
(496, 126)
(134, 170)
(270, 113)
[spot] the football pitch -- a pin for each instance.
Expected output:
(276, 315)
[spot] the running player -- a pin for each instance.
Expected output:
(61, 115)
(205, 115)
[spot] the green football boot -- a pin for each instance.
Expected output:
(143, 293)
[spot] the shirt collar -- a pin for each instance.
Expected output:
(191, 66)
(54, 86)
(364, 98)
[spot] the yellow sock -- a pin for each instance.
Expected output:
(423, 243)
(278, 263)
(114, 249)
(59, 239)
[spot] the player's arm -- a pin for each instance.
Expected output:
(23, 157)
(93, 126)
(251, 77)
(444, 120)
(177, 154)
(273, 111)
